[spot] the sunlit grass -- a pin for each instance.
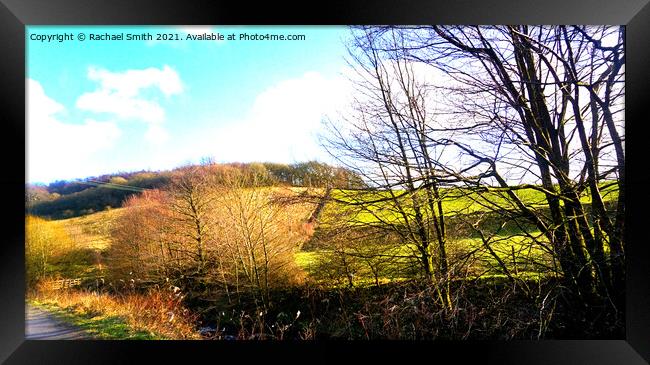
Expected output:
(521, 251)
(92, 231)
(97, 326)
(155, 315)
(454, 201)
(307, 259)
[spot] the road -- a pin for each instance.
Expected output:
(41, 325)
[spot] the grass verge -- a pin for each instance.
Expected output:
(98, 326)
(155, 315)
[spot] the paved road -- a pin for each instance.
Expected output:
(41, 325)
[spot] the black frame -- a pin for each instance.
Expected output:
(16, 14)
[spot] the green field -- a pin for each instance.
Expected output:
(455, 201)
(522, 249)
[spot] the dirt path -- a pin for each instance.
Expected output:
(41, 325)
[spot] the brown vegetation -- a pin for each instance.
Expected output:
(210, 237)
(157, 311)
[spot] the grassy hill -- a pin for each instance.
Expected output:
(65, 199)
(519, 246)
(514, 246)
(90, 238)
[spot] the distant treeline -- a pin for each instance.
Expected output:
(64, 199)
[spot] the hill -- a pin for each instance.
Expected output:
(66, 199)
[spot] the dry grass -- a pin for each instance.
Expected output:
(159, 313)
(91, 231)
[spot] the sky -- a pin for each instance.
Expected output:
(102, 106)
(105, 106)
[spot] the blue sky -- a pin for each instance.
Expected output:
(97, 107)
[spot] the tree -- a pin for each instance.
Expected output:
(539, 108)
(141, 248)
(258, 235)
(386, 139)
(212, 232)
(190, 203)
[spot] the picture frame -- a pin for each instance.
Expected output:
(15, 15)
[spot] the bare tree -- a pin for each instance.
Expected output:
(386, 140)
(211, 232)
(540, 108)
(191, 201)
(258, 235)
(144, 252)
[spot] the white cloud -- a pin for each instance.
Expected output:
(285, 121)
(120, 94)
(282, 124)
(58, 149)
(104, 101)
(129, 83)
